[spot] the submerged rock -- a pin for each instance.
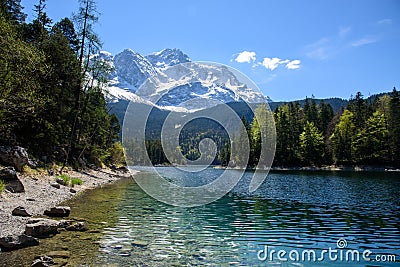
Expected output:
(59, 254)
(42, 227)
(58, 212)
(79, 226)
(10, 178)
(13, 242)
(20, 211)
(43, 261)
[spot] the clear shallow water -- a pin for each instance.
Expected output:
(290, 211)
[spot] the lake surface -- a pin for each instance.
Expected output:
(291, 211)
(297, 212)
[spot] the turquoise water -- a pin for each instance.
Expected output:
(291, 211)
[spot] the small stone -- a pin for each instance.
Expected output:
(42, 261)
(59, 254)
(79, 226)
(139, 243)
(55, 185)
(20, 211)
(123, 169)
(58, 212)
(30, 199)
(61, 182)
(124, 254)
(73, 191)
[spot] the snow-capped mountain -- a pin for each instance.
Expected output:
(176, 83)
(167, 57)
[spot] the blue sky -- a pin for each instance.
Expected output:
(290, 49)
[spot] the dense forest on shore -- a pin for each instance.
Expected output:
(51, 98)
(366, 132)
(309, 133)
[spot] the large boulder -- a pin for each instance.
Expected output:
(10, 178)
(14, 156)
(58, 212)
(13, 242)
(41, 227)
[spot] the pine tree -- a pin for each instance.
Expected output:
(66, 26)
(342, 138)
(312, 144)
(394, 126)
(41, 15)
(370, 144)
(12, 11)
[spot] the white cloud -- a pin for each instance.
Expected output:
(294, 64)
(271, 63)
(246, 57)
(364, 41)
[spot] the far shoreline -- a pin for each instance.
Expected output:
(364, 168)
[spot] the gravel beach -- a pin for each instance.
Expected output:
(40, 195)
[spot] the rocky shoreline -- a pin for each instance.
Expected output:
(40, 196)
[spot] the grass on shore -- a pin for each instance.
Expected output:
(75, 181)
(69, 181)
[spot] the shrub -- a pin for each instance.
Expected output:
(75, 181)
(2, 185)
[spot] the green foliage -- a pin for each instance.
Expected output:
(116, 155)
(312, 145)
(50, 102)
(394, 127)
(21, 69)
(70, 181)
(343, 137)
(76, 181)
(2, 185)
(64, 177)
(12, 11)
(370, 145)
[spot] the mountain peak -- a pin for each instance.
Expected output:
(167, 57)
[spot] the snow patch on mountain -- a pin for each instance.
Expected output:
(180, 85)
(167, 57)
